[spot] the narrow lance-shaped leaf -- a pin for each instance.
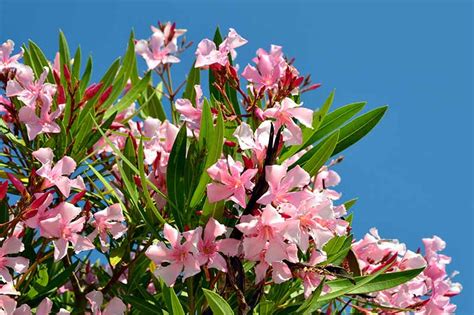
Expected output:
(175, 177)
(320, 154)
(358, 128)
(217, 303)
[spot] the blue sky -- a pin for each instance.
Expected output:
(414, 174)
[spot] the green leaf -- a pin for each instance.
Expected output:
(310, 305)
(175, 177)
(152, 106)
(76, 68)
(130, 97)
(218, 304)
(350, 203)
(171, 300)
(212, 138)
(39, 60)
(337, 249)
(140, 304)
(320, 154)
(358, 128)
(194, 78)
(86, 76)
(381, 282)
(359, 283)
(335, 119)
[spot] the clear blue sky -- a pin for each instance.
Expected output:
(414, 173)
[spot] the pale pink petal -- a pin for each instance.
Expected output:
(11, 245)
(44, 308)
(171, 234)
(60, 248)
(95, 298)
(44, 155)
(169, 273)
(67, 165)
(213, 230)
(158, 253)
(115, 307)
(228, 246)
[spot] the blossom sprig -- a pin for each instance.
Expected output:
(111, 206)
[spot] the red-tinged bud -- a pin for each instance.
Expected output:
(56, 76)
(61, 96)
(78, 197)
(29, 214)
(38, 202)
(230, 143)
(248, 163)
(3, 190)
(105, 95)
(186, 228)
(214, 111)
(137, 181)
(87, 208)
(17, 183)
(198, 212)
(67, 73)
(311, 87)
(91, 91)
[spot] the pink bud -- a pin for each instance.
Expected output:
(67, 73)
(3, 190)
(78, 197)
(105, 95)
(230, 143)
(91, 91)
(17, 183)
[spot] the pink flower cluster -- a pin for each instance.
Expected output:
(185, 253)
(429, 292)
(162, 46)
(40, 112)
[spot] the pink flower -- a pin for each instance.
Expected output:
(190, 114)
(315, 219)
(284, 113)
(159, 141)
(210, 248)
(32, 93)
(8, 307)
(257, 142)
(282, 185)
(207, 53)
(230, 181)
(264, 233)
(328, 178)
(66, 230)
(170, 32)
(270, 67)
(12, 245)
(6, 60)
(181, 257)
(156, 51)
(106, 221)
(58, 175)
(232, 41)
(45, 123)
(114, 307)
